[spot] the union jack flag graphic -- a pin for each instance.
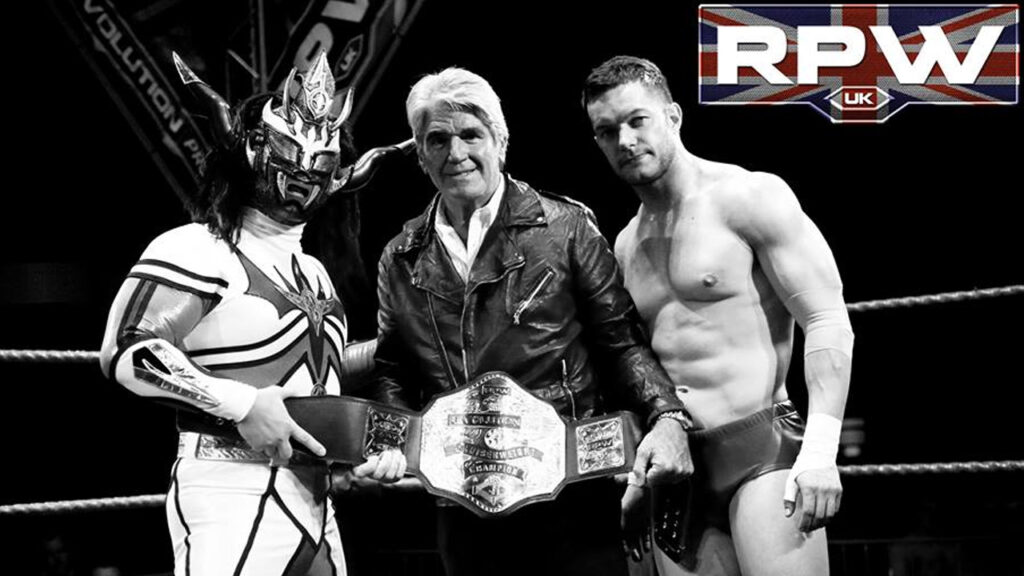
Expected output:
(983, 39)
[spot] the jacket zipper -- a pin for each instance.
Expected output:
(440, 341)
(568, 391)
(462, 333)
(540, 285)
(462, 323)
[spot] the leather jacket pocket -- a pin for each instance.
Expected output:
(531, 296)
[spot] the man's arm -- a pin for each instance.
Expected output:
(142, 351)
(388, 359)
(615, 326)
(799, 264)
(613, 323)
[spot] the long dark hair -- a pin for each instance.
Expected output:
(227, 180)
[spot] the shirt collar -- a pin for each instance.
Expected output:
(485, 214)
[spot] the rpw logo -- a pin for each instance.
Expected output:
(858, 63)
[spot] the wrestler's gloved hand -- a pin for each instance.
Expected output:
(635, 518)
(388, 466)
(268, 427)
(663, 456)
(813, 484)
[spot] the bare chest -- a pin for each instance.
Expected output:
(697, 261)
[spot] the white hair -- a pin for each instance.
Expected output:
(459, 90)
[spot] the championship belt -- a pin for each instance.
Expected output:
(490, 446)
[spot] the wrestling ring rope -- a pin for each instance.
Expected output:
(358, 355)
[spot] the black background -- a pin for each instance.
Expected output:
(924, 203)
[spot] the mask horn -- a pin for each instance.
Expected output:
(354, 177)
(214, 104)
(286, 96)
(347, 98)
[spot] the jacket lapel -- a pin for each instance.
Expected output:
(498, 255)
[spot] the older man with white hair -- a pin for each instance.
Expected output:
(496, 276)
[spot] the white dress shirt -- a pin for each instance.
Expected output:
(463, 254)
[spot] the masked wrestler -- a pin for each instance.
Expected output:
(226, 317)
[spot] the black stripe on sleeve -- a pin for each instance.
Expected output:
(175, 268)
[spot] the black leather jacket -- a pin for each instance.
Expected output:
(544, 302)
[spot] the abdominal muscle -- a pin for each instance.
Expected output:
(722, 356)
